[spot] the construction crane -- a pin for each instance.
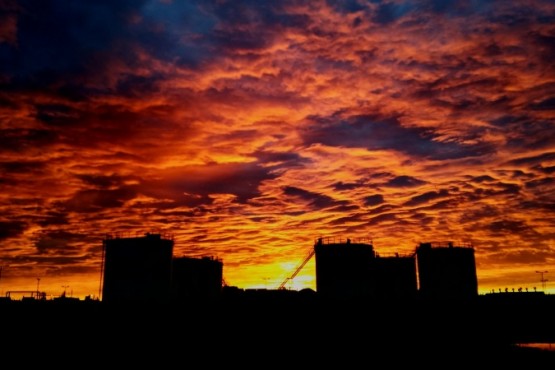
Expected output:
(298, 269)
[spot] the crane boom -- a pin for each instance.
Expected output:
(298, 269)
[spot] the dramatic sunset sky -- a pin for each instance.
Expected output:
(249, 128)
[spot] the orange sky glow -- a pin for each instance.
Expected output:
(248, 129)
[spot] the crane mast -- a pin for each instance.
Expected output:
(298, 269)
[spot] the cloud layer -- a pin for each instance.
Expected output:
(248, 129)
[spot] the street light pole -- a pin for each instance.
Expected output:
(542, 278)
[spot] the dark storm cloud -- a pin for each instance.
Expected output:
(480, 179)
(340, 185)
(91, 200)
(103, 181)
(382, 218)
(61, 44)
(344, 206)
(53, 218)
(381, 209)
(58, 240)
(457, 7)
(404, 182)
(506, 188)
(529, 130)
(545, 43)
(538, 159)
(388, 12)
(103, 125)
(427, 197)
(133, 86)
(21, 166)
(546, 181)
(249, 90)
(384, 12)
(518, 174)
(250, 25)
(509, 120)
(19, 140)
(422, 218)
(10, 229)
(508, 226)
(459, 101)
(284, 159)
(373, 200)
(543, 204)
(315, 200)
(441, 205)
(57, 114)
(56, 39)
(346, 6)
(196, 202)
(348, 219)
(57, 36)
(55, 264)
(547, 104)
(494, 190)
(484, 212)
(547, 170)
(382, 133)
(535, 134)
(239, 179)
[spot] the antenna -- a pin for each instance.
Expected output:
(543, 281)
(102, 269)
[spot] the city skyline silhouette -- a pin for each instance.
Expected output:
(143, 268)
(247, 130)
(356, 285)
(287, 281)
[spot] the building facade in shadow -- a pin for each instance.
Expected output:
(196, 279)
(395, 276)
(348, 269)
(343, 269)
(353, 269)
(446, 271)
(137, 269)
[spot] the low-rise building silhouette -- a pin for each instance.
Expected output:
(196, 278)
(346, 269)
(137, 269)
(352, 269)
(446, 270)
(396, 276)
(143, 269)
(343, 268)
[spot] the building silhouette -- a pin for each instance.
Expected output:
(446, 271)
(343, 269)
(346, 269)
(196, 278)
(143, 269)
(137, 269)
(396, 276)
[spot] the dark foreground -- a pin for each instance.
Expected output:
(266, 332)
